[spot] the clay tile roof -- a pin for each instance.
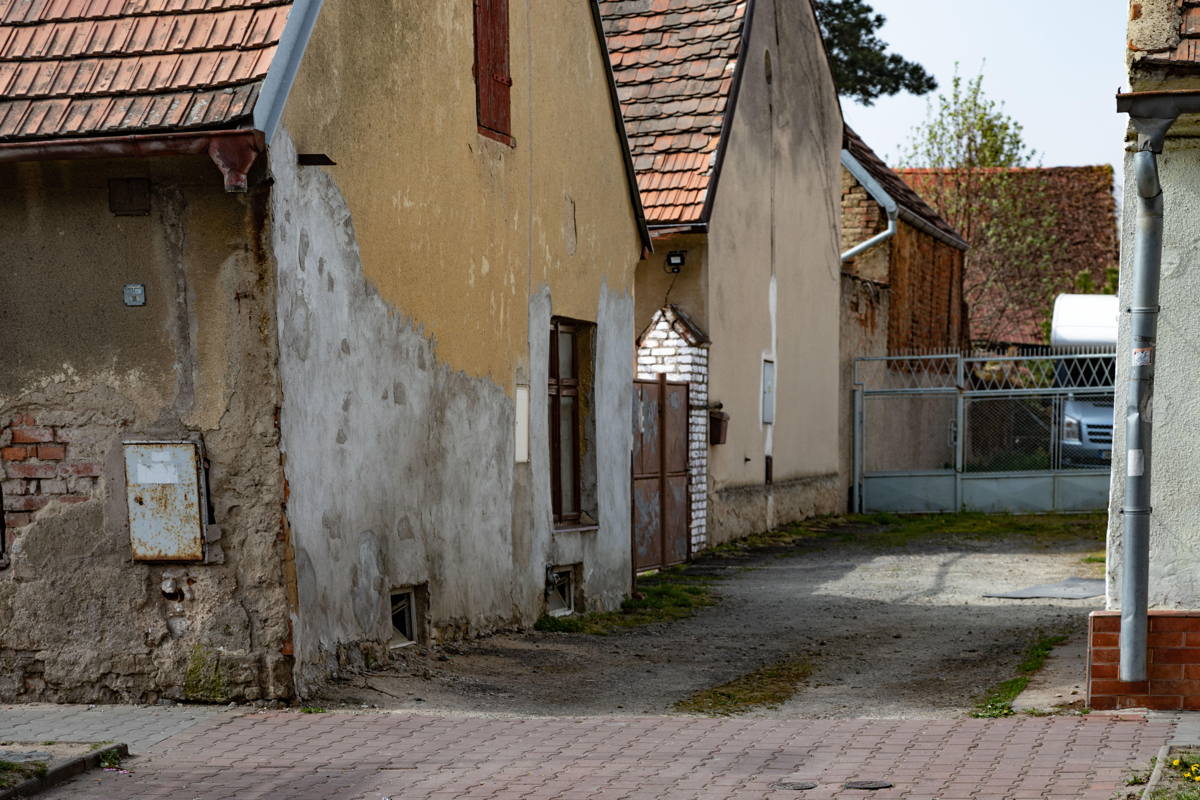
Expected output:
(895, 186)
(71, 68)
(1187, 52)
(674, 63)
(1083, 207)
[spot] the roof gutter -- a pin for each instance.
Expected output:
(276, 87)
(1152, 115)
(232, 151)
(879, 195)
(635, 194)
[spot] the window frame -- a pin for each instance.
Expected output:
(559, 387)
(493, 76)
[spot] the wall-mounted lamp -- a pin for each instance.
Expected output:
(675, 261)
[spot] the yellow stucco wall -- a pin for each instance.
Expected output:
(456, 230)
(688, 289)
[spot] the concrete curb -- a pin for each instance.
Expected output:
(1155, 775)
(64, 772)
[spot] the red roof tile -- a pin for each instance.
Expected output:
(1081, 203)
(73, 68)
(674, 62)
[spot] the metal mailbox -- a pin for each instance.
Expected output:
(164, 493)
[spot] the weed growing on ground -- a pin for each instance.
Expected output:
(670, 594)
(767, 687)
(110, 759)
(311, 710)
(999, 699)
(14, 773)
(1180, 778)
(885, 531)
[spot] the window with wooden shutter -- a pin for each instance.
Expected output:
(493, 78)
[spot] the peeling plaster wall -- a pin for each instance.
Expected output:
(773, 281)
(80, 621)
(401, 469)
(449, 254)
(1174, 533)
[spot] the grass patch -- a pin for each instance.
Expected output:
(886, 531)
(110, 760)
(999, 699)
(311, 710)
(668, 595)
(766, 687)
(14, 773)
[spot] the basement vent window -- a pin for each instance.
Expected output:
(560, 589)
(404, 619)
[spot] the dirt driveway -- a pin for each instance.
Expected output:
(893, 626)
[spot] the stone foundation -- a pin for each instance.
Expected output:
(1173, 663)
(739, 511)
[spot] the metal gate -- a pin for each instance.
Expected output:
(660, 474)
(983, 432)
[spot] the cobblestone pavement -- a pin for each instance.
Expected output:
(140, 728)
(372, 755)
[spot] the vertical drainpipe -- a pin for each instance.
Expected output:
(1152, 115)
(1135, 514)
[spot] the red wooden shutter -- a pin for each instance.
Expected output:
(493, 81)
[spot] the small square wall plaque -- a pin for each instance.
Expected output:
(135, 294)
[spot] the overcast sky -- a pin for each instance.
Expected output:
(1056, 65)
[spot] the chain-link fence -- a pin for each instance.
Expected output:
(928, 428)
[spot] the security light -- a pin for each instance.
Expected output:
(675, 260)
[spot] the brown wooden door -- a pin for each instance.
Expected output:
(661, 507)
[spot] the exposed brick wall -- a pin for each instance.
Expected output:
(1173, 663)
(665, 351)
(41, 467)
(927, 293)
(863, 218)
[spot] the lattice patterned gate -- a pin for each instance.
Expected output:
(983, 432)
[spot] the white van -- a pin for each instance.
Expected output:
(1086, 322)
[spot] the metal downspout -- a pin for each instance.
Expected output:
(879, 195)
(1147, 264)
(1152, 115)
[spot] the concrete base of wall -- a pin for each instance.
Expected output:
(1173, 663)
(739, 511)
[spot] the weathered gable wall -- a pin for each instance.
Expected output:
(417, 283)
(774, 280)
(79, 620)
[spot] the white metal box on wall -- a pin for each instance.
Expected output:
(163, 485)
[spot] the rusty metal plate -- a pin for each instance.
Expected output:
(162, 485)
(647, 524)
(676, 406)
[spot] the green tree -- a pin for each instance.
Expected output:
(981, 176)
(862, 67)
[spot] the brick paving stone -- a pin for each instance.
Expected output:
(372, 755)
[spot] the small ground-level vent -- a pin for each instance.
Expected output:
(560, 591)
(407, 606)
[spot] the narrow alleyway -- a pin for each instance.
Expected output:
(890, 632)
